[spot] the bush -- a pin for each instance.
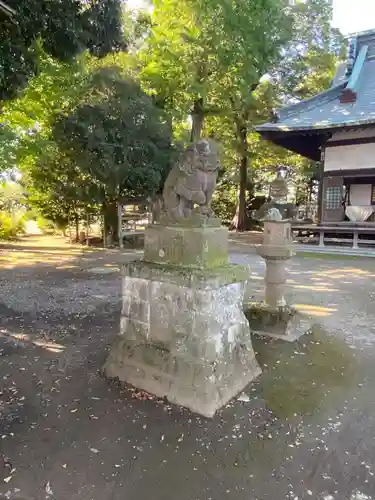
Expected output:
(224, 202)
(10, 225)
(45, 225)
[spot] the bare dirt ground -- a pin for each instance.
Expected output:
(307, 431)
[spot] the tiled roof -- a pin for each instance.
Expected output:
(325, 111)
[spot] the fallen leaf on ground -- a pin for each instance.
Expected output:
(11, 493)
(48, 489)
(243, 397)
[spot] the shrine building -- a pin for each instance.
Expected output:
(337, 128)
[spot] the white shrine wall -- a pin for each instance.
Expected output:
(353, 157)
(353, 160)
(350, 156)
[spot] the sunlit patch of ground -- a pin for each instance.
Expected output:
(55, 251)
(305, 428)
(312, 310)
(37, 251)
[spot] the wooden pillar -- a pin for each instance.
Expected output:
(320, 193)
(320, 189)
(119, 217)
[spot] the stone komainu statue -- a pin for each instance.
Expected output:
(192, 181)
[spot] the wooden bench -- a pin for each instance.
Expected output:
(322, 229)
(133, 218)
(133, 226)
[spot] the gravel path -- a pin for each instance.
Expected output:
(307, 431)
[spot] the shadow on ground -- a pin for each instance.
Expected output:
(306, 431)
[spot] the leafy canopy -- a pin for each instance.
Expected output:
(309, 58)
(210, 50)
(116, 137)
(62, 28)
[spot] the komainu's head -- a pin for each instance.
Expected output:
(202, 155)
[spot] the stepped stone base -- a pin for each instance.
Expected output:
(284, 323)
(184, 334)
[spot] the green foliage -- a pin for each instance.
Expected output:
(13, 205)
(117, 139)
(8, 147)
(137, 25)
(49, 208)
(306, 66)
(12, 197)
(207, 58)
(310, 57)
(55, 187)
(11, 225)
(224, 201)
(64, 28)
(210, 53)
(46, 226)
(28, 119)
(84, 133)
(102, 26)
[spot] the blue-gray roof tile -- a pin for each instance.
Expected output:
(325, 110)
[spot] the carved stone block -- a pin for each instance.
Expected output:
(194, 346)
(198, 247)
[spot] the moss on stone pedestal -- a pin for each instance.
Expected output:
(183, 331)
(184, 334)
(280, 322)
(187, 276)
(183, 246)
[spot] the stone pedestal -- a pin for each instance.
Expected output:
(283, 323)
(197, 247)
(276, 249)
(273, 317)
(183, 331)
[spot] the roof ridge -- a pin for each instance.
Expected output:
(349, 94)
(356, 34)
(330, 94)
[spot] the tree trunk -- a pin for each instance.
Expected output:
(239, 221)
(197, 117)
(110, 216)
(87, 229)
(76, 222)
(234, 223)
(70, 229)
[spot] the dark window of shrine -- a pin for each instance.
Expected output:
(333, 198)
(373, 195)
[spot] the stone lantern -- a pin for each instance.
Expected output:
(274, 317)
(276, 249)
